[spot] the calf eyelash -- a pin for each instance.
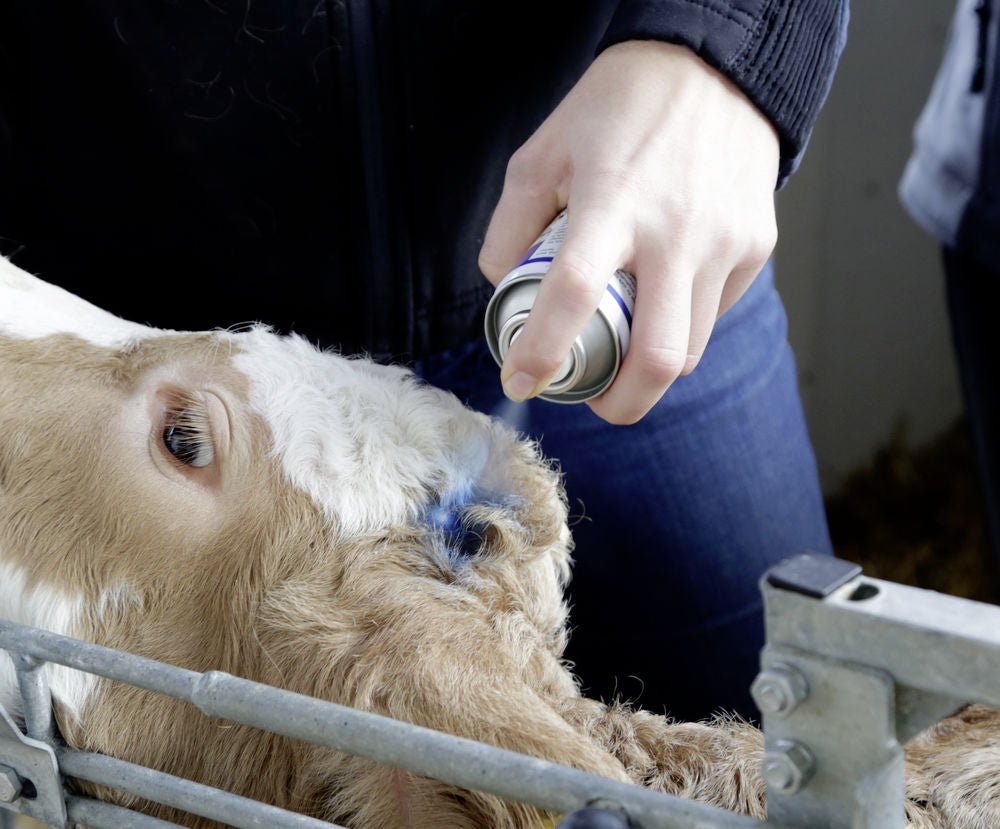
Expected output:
(187, 433)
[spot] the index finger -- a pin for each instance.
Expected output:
(594, 247)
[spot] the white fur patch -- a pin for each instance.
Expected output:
(371, 444)
(31, 308)
(52, 610)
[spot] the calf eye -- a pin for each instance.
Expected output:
(187, 432)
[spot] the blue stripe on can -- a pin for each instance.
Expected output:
(621, 304)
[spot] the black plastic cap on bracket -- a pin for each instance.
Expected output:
(594, 818)
(812, 575)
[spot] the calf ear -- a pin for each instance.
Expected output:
(31, 308)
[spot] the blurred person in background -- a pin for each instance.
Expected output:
(951, 188)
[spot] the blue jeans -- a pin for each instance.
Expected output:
(676, 517)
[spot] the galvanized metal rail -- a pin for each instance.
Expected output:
(853, 666)
(423, 751)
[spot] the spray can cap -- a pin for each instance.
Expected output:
(573, 366)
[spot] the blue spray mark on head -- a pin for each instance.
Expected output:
(459, 531)
(459, 535)
(486, 484)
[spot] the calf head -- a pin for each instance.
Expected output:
(245, 502)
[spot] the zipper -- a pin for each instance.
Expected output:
(983, 12)
(377, 247)
(989, 167)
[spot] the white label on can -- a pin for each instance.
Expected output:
(538, 258)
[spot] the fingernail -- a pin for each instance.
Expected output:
(519, 386)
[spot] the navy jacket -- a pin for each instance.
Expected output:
(319, 165)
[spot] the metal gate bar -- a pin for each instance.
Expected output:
(98, 815)
(35, 698)
(423, 751)
(195, 798)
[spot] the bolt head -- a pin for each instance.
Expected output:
(787, 767)
(768, 696)
(10, 785)
(779, 774)
(779, 689)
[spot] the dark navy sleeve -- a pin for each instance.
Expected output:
(781, 53)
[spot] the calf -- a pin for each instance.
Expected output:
(245, 502)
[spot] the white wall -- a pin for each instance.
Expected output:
(862, 283)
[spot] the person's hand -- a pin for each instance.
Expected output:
(667, 171)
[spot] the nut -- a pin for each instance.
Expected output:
(10, 785)
(779, 689)
(787, 767)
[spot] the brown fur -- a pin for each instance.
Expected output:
(255, 582)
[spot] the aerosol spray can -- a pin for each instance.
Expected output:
(598, 351)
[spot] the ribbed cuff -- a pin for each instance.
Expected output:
(781, 53)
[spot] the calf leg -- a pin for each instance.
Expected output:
(716, 763)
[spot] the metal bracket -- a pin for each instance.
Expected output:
(854, 666)
(846, 729)
(33, 782)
